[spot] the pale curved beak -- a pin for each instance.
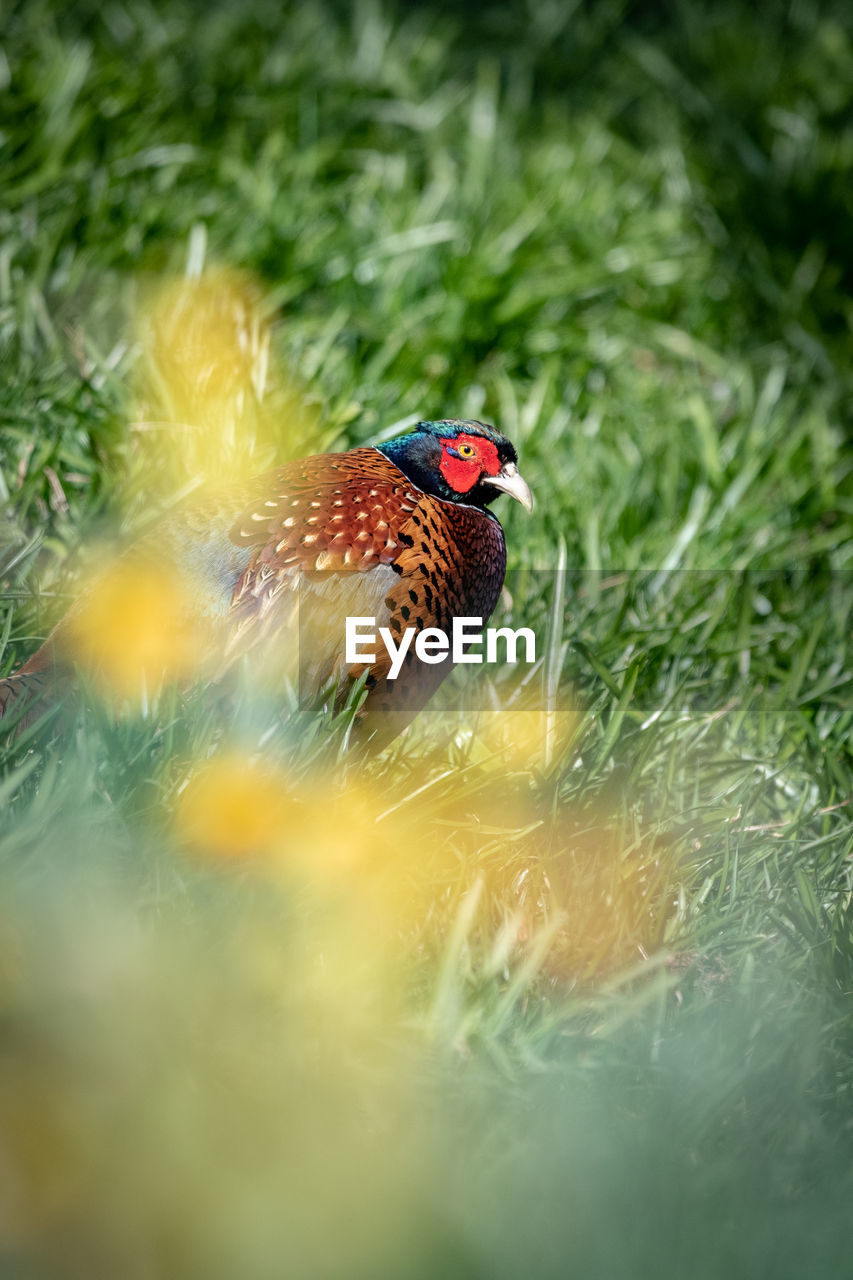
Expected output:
(509, 480)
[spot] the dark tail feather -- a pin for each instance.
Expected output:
(24, 698)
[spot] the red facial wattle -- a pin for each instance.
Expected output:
(461, 472)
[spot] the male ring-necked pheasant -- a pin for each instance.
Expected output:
(400, 532)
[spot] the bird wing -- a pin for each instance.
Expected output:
(322, 536)
(347, 535)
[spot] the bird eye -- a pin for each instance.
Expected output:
(466, 451)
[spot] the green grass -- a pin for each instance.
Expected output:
(577, 1012)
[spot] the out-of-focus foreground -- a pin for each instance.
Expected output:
(561, 982)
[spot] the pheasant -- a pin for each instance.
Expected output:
(399, 532)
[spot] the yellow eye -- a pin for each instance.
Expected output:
(466, 451)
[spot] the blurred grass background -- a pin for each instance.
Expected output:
(519, 997)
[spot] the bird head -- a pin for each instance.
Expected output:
(459, 461)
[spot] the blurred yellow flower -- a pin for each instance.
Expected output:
(234, 807)
(209, 405)
(132, 630)
(208, 339)
(530, 738)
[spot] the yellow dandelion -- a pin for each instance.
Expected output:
(235, 807)
(132, 630)
(210, 404)
(208, 340)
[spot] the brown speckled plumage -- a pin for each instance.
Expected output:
(350, 514)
